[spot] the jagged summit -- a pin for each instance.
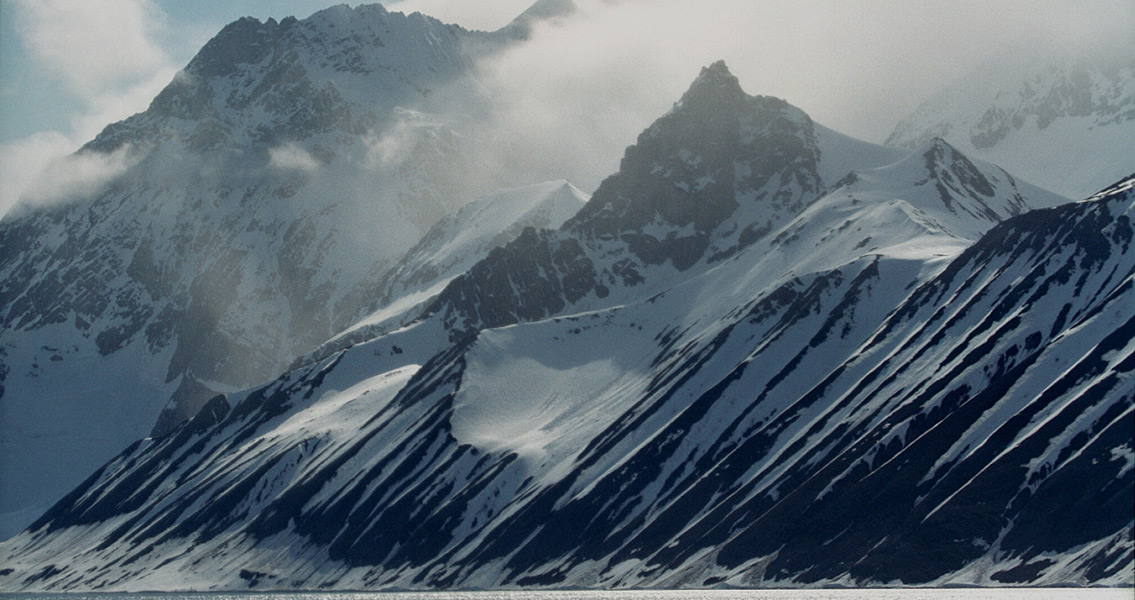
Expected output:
(711, 154)
(243, 41)
(341, 69)
(715, 86)
(716, 99)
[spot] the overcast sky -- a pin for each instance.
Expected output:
(70, 67)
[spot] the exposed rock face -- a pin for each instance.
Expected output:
(713, 175)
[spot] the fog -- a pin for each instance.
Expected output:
(567, 102)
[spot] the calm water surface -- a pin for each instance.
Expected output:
(951, 594)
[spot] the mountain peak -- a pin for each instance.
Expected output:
(940, 156)
(245, 40)
(714, 88)
(984, 192)
(717, 71)
(718, 150)
(938, 146)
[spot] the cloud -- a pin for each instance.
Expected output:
(291, 157)
(482, 15)
(93, 46)
(407, 130)
(107, 55)
(73, 175)
(28, 165)
(24, 161)
(21, 162)
(567, 102)
(390, 148)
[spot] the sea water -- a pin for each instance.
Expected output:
(841, 594)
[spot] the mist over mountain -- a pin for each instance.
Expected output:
(327, 316)
(1031, 118)
(247, 216)
(762, 353)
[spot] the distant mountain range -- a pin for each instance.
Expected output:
(762, 353)
(1067, 125)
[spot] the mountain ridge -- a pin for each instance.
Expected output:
(691, 194)
(885, 372)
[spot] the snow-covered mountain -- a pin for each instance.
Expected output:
(266, 192)
(1067, 125)
(717, 173)
(762, 353)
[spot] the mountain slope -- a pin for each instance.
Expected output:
(453, 245)
(1030, 119)
(860, 383)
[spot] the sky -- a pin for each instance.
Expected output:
(70, 67)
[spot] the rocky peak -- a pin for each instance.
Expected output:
(947, 164)
(718, 172)
(986, 194)
(940, 154)
(268, 82)
(717, 150)
(246, 40)
(715, 88)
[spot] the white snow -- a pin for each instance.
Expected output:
(544, 389)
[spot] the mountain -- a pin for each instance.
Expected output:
(719, 172)
(266, 191)
(735, 365)
(1031, 118)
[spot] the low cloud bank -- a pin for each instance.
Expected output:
(77, 175)
(567, 102)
